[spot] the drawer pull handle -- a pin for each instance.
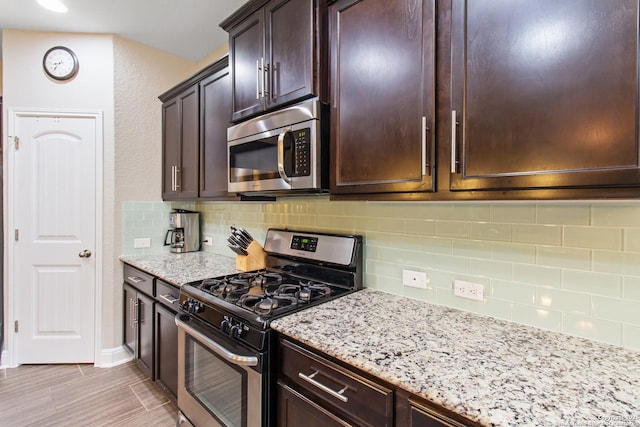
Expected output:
(135, 279)
(169, 298)
(337, 394)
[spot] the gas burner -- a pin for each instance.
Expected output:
(265, 279)
(266, 305)
(312, 290)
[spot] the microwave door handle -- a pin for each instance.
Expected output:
(281, 171)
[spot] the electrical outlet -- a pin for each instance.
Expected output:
(464, 289)
(415, 279)
(143, 242)
(208, 240)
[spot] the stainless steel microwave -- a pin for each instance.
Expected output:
(280, 153)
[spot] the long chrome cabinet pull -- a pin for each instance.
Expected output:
(424, 131)
(135, 313)
(337, 394)
(454, 128)
(257, 79)
(265, 70)
(169, 298)
(178, 179)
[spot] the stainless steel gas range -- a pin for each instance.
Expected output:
(227, 350)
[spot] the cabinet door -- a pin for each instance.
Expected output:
(215, 106)
(166, 340)
(170, 147)
(190, 144)
(180, 146)
(289, 29)
(145, 334)
(296, 410)
(246, 56)
(383, 95)
(544, 93)
(130, 312)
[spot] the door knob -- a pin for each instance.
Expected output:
(85, 254)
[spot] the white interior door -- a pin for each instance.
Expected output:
(54, 194)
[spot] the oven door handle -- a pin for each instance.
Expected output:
(281, 170)
(236, 359)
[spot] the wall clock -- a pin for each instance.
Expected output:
(60, 63)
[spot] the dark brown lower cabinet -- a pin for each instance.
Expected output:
(166, 338)
(316, 390)
(138, 317)
(295, 409)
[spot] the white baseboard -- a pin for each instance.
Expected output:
(4, 360)
(110, 357)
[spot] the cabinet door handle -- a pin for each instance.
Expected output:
(454, 139)
(265, 80)
(135, 312)
(169, 298)
(135, 279)
(173, 178)
(337, 394)
(257, 79)
(425, 147)
(178, 179)
(130, 313)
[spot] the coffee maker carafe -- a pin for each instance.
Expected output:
(184, 232)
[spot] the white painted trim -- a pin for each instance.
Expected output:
(8, 356)
(110, 357)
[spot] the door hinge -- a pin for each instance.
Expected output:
(16, 142)
(16, 234)
(15, 327)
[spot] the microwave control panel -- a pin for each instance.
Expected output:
(302, 150)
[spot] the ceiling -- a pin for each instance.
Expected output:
(186, 28)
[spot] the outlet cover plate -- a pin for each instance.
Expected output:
(143, 242)
(470, 290)
(415, 279)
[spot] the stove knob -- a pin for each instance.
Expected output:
(196, 307)
(225, 325)
(236, 331)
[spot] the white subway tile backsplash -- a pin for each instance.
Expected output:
(563, 214)
(614, 309)
(513, 214)
(563, 266)
(592, 283)
(491, 231)
(591, 328)
(554, 256)
(457, 229)
(537, 317)
(593, 237)
(537, 234)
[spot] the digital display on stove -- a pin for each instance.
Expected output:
(304, 243)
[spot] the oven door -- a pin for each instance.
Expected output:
(219, 382)
(280, 159)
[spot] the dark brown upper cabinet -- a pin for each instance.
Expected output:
(180, 142)
(195, 116)
(277, 53)
(382, 73)
(215, 108)
(544, 94)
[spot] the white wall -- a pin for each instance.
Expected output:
(122, 79)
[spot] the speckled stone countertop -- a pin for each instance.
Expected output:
(491, 371)
(179, 269)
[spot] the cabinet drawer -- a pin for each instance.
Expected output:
(346, 393)
(138, 279)
(167, 294)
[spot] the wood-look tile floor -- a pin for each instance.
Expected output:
(82, 395)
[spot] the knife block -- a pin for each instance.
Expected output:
(255, 260)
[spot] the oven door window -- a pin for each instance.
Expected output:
(220, 387)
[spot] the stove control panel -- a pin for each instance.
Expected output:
(232, 327)
(304, 243)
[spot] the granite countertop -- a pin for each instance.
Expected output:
(491, 371)
(179, 269)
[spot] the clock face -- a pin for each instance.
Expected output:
(60, 63)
